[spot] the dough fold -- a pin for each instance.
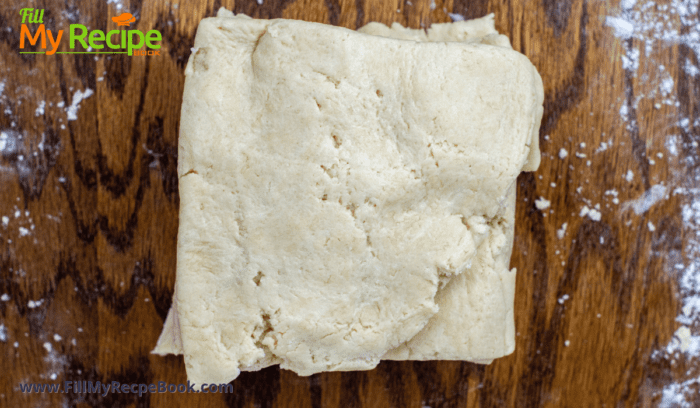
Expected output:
(347, 197)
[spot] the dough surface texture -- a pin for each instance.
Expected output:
(348, 197)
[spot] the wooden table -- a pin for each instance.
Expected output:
(87, 248)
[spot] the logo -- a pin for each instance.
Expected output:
(124, 20)
(83, 41)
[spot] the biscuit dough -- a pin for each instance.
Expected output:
(347, 197)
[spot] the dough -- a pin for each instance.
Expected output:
(347, 197)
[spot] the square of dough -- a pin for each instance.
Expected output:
(347, 197)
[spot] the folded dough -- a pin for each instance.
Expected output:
(347, 197)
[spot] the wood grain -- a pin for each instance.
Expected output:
(100, 193)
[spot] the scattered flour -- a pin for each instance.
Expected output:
(563, 153)
(34, 303)
(690, 272)
(456, 17)
(3, 333)
(592, 213)
(542, 203)
(684, 342)
(672, 144)
(8, 142)
(674, 394)
(54, 362)
(666, 86)
(78, 96)
(655, 27)
(622, 27)
(40, 109)
(650, 197)
(117, 4)
(561, 232)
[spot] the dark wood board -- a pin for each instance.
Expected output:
(87, 251)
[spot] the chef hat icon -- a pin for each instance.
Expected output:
(125, 19)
